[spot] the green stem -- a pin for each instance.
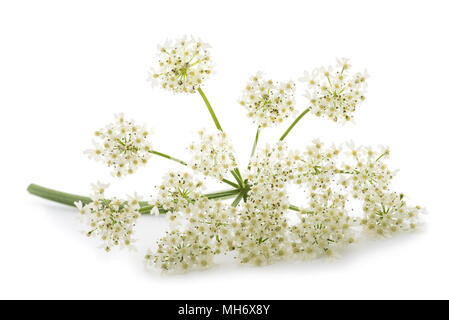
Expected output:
(231, 183)
(145, 208)
(237, 178)
(380, 157)
(235, 172)
(255, 142)
(294, 123)
(211, 111)
(221, 195)
(57, 196)
(160, 154)
(237, 199)
(294, 208)
(240, 176)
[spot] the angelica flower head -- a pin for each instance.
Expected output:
(334, 94)
(123, 145)
(212, 155)
(184, 64)
(325, 226)
(268, 102)
(207, 232)
(387, 213)
(112, 220)
(178, 190)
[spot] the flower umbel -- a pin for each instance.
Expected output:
(178, 190)
(268, 102)
(183, 65)
(206, 231)
(124, 146)
(386, 214)
(212, 155)
(112, 220)
(334, 94)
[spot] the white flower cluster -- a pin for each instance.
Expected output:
(206, 233)
(268, 103)
(112, 219)
(124, 146)
(324, 226)
(333, 93)
(362, 175)
(386, 213)
(183, 65)
(178, 190)
(212, 155)
(261, 230)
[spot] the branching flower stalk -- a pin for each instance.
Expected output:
(251, 221)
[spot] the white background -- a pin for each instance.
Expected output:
(67, 66)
